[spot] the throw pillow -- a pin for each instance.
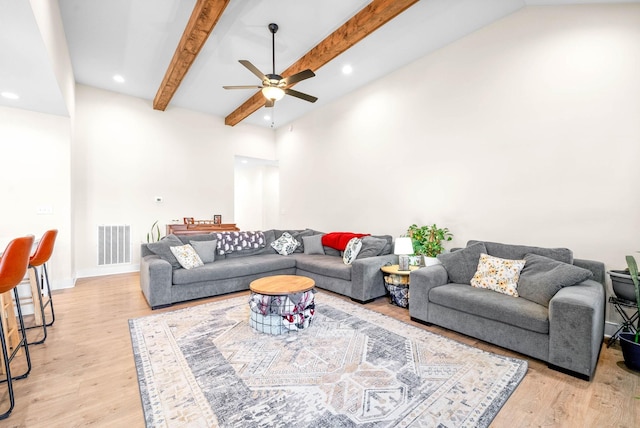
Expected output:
(298, 235)
(498, 274)
(162, 249)
(462, 264)
(206, 250)
(285, 245)
(371, 247)
(543, 277)
(351, 250)
(313, 244)
(186, 256)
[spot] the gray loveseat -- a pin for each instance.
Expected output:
(164, 282)
(558, 316)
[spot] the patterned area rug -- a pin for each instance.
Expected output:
(204, 367)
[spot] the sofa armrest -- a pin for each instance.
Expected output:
(596, 267)
(421, 282)
(366, 277)
(576, 327)
(156, 277)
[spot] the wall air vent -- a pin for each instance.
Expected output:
(114, 244)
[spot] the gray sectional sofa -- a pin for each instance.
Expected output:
(164, 282)
(558, 316)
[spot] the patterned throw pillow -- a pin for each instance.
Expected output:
(351, 250)
(187, 256)
(498, 274)
(286, 244)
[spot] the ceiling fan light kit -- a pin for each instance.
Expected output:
(274, 86)
(273, 93)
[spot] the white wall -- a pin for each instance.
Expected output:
(125, 154)
(34, 172)
(257, 199)
(526, 131)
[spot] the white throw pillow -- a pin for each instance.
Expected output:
(286, 244)
(187, 256)
(351, 250)
(498, 274)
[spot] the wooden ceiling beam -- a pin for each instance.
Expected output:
(204, 17)
(366, 21)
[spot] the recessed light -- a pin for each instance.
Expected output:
(347, 69)
(118, 78)
(9, 95)
(267, 117)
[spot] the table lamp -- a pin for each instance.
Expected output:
(403, 247)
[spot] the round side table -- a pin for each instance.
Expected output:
(396, 281)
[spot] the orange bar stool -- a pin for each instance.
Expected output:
(39, 259)
(13, 267)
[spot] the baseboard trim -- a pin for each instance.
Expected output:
(108, 270)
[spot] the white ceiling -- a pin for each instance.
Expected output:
(137, 39)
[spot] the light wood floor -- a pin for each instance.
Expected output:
(84, 374)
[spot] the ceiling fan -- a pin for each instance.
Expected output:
(274, 86)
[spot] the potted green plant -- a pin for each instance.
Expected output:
(630, 342)
(427, 241)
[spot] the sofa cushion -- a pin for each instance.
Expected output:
(323, 265)
(162, 249)
(507, 251)
(233, 268)
(298, 235)
(206, 250)
(331, 251)
(188, 239)
(285, 244)
(313, 244)
(388, 248)
(371, 247)
(543, 277)
(518, 312)
(462, 264)
(351, 250)
(498, 274)
(186, 256)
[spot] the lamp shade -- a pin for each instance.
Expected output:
(273, 93)
(403, 245)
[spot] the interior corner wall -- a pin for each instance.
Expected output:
(34, 172)
(125, 154)
(524, 132)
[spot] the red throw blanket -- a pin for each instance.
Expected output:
(339, 240)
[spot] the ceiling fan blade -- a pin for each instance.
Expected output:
(252, 68)
(243, 87)
(304, 74)
(300, 95)
(269, 103)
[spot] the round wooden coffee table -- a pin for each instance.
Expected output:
(282, 285)
(281, 303)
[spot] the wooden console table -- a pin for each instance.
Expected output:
(193, 229)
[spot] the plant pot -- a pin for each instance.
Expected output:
(430, 261)
(622, 285)
(630, 351)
